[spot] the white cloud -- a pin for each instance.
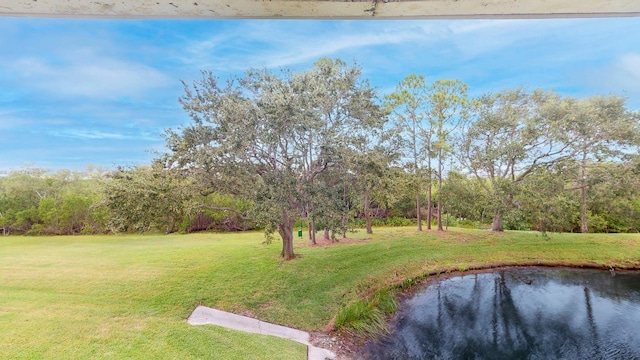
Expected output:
(98, 77)
(621, 76)
(281, 44)
(87, 134)
(98, 82)
(308, 51)
(474, 38)
(12, 120)
(630, 65)
(94, 134)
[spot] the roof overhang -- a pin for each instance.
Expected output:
(327, 9)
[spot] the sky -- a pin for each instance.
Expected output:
(78, 92)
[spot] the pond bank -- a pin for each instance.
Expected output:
(348, 345)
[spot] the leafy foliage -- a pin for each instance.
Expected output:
(270, 137)
(33, 201)
(319, 147)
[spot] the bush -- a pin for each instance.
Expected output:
(597, 223)
(466, 224)
(36, 229)
(380, 222)
(398, 221)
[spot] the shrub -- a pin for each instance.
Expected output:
(367, 317)
(36, 229)
(380, 222)
(466, 224)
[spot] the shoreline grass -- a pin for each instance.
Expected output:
(114, 297)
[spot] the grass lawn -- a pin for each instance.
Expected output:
(115, 297)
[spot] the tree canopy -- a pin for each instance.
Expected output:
(322, 147)
(270, 136)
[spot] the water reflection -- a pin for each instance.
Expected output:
(519, 314)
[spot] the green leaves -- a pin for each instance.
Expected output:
(270, 137)
(61, 203)
(519, 134)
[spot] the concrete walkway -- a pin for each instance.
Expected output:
(203, 315)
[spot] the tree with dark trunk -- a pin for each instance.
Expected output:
(407, 104)
(268, 137)
(448, 109)
(600, 129)
(514, 134)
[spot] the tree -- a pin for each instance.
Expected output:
(408, 103)
(19, 199)
(371, 171)
(465, 195)
(367, 165)
(268, 137)
(36, 201)
(332, 199)
(398, 197)
(599, 129)
(514, 134)
(146, 198)
(448, 109)
(543, 203)
(613, 200)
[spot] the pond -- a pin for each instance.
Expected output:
(524, 313)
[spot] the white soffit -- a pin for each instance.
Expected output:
(325, 9)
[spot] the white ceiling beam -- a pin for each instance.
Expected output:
(327, 9)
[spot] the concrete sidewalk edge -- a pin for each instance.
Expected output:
(203, 315)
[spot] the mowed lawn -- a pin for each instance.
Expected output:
(128, 296)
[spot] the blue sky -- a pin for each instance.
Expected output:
(101, 92)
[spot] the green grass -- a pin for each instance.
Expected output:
(367, 317)
(115, 297)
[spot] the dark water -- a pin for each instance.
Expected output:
(519, 314)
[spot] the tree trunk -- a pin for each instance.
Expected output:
(416, 173)
(312, 232)
(326, 234)
(346, 208)
(367, 215)
(440, 169)
(344, 227)
(286, 232)
(312, 238)
(418, 212)
(446, 223)
(497, 222)
(429, 193)
(440, 228)
(584, 226)
(429, 206)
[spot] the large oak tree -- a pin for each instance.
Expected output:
(268, 136)
(514, 134)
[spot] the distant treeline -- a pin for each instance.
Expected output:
(322, 147)
(145, 198)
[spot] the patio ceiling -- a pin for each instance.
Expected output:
(328, 9)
